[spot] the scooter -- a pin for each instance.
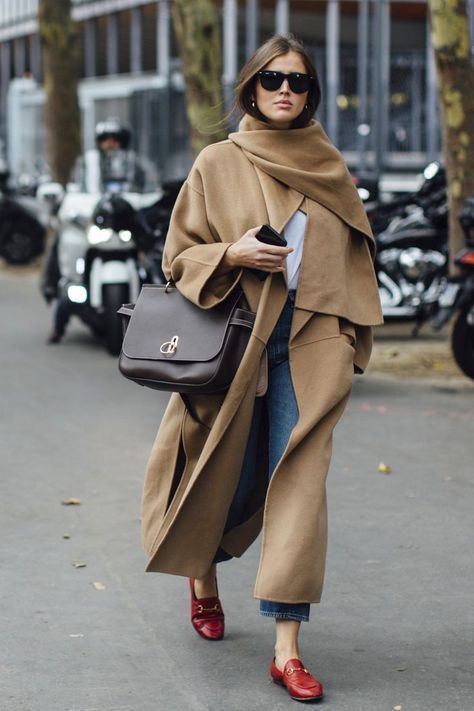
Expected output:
(97, 250)
(458, 297)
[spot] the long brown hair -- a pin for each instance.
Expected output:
(276, 46)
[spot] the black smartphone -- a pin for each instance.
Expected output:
(268, 235)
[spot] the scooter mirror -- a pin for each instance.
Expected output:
(50, 194)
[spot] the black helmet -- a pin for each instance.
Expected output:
(113, 212)
(112, 128)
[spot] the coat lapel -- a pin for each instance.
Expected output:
(282, 202)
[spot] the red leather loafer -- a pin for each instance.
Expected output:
(207, 615)
(300, 684)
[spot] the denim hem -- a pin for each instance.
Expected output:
(286, 616)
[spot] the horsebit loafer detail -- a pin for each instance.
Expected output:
(300, 684)
(207, 615)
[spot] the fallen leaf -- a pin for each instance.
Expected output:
(390, 353)
(72, 501)
(66, 535)
(397, 708)
(384, 468)
(99, 586)
(401, 669)
(79, 564)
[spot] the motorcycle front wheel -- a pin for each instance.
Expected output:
(462, 343)
(114, 295)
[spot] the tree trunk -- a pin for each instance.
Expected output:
(450, 38)
(197, 29)
(60, 60)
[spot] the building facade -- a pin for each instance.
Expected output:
(374, 59)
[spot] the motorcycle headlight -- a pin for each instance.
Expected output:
(125, 235)
(431, 170)
(96, 235)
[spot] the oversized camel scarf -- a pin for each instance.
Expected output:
(305, 159)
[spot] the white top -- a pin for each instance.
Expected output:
(294, 235)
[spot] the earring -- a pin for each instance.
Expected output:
(306, 106)
(253, 104)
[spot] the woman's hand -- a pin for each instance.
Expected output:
(249, 252)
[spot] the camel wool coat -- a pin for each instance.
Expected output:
(261, 176)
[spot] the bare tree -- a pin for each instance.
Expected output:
(197, 29)
(450, 38)
(60, 60)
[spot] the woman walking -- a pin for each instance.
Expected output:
(257, 456)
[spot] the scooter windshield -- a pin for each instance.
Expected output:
(124, 171)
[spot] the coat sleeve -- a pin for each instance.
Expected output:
(193, 252)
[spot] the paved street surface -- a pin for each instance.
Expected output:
(394, 630)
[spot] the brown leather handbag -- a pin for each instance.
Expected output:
(172, 344)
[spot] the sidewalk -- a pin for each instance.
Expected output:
(427, 357)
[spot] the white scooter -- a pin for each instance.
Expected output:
(97, 246)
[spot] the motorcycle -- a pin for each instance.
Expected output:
(412, 252)
(22, 224)
(367, 185)
(381, 212)
(458, 296)
(98, 249)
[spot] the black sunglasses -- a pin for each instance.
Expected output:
(271, 81)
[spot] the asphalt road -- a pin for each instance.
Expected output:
(394, 629)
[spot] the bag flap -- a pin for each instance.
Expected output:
(165, 325)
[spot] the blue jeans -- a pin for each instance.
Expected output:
(282, 412)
